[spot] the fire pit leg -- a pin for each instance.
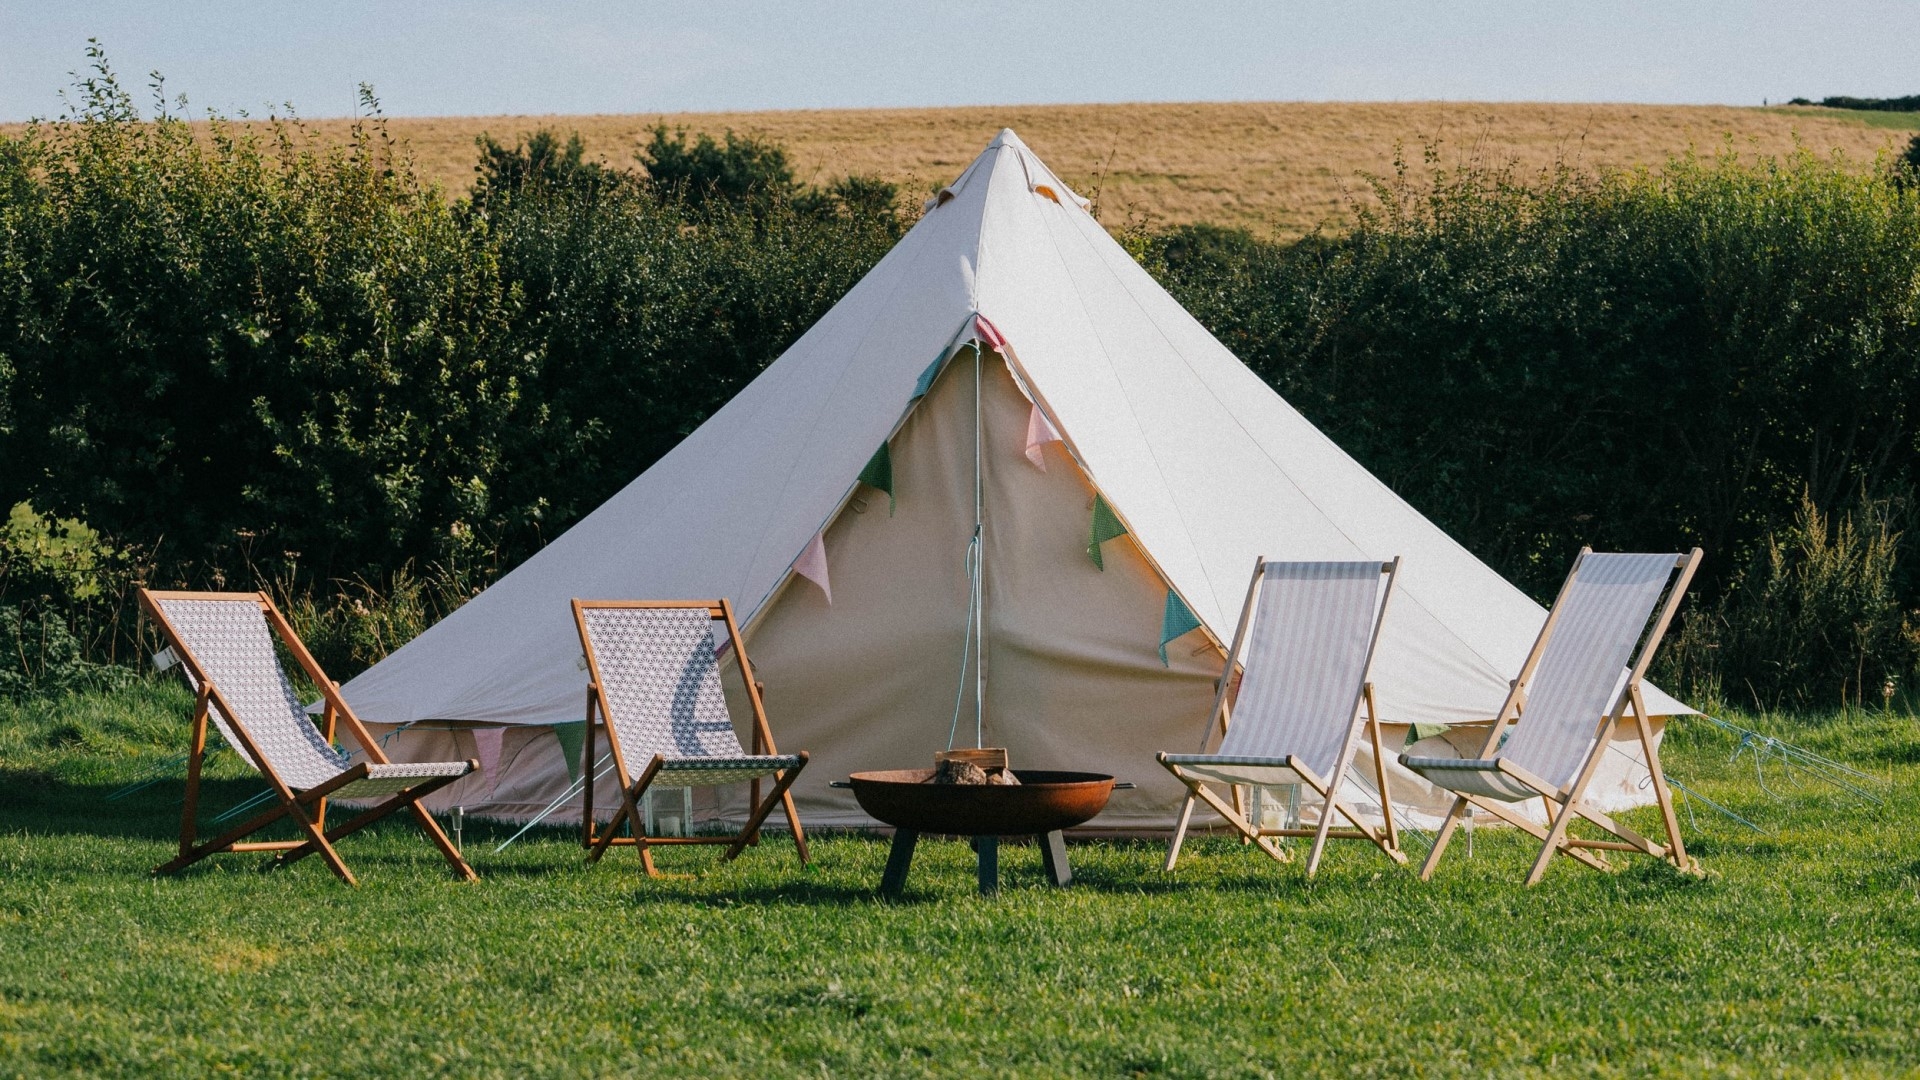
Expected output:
(988, 848)
(899, 860)
(1053, 856)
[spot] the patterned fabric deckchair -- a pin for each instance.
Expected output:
(1297, 715)
(224, 642)
(1574, 689)
(656, 689)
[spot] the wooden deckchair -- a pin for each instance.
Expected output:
(1573, 691)
(1298, 712)
(224, 642)
(655, 688)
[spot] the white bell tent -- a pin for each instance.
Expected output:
(1007, 364)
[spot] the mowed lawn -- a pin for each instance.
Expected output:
(1798, 953)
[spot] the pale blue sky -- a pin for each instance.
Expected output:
(567, 56)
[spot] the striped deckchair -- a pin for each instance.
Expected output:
(224, 643)
(1296, 717)
(1574, 689)
(655, 686)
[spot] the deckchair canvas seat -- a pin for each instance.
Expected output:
(225, 643)
(655, 686)
(1237, 769)
(399, 776)
(1478, 776)
(1306, 640)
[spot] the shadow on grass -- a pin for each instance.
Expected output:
(38, 803)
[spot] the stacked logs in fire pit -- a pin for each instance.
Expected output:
(987, 765)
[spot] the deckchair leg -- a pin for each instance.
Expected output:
(766, 807)
(1380, 778)
(1538, 832)
(1247, 832)
(630, 811)
(1676, 848)
(793, 821)
(409, 798)
(220, 843)
(1320, 832)
(1180, 830)
(319, 841)
(196, 752)
(1445, 836)
(1380, 840)
(1554, 842)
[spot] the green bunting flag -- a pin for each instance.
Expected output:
(879, 475)
(1106, 526)
(925, 383)
(1178, 620)
(572, 738)
(1417, 732)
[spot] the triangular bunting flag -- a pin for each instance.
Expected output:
(486, 747)
(988, 333)
(1039, 433)
(1106, 526)
(572, 738)
(1416, 732)
(925, 382)
(812, 564)
(879, 474)
(1179, 619)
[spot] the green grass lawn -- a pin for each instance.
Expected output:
(1799, 952)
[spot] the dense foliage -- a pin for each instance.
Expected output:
(1909, 103)
(258, 356)
(1637, 361)
(241, 354)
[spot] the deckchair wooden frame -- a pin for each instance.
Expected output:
(633, 789)
(1566, 804)
(1387, 839)
(307, 808)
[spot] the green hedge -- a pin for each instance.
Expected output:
(1635, 360)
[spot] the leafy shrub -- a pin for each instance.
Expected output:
(1813, 618)
(540, 162)
(65, 606)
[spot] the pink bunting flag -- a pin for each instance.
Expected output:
(486, 745)
(812, 565)
(988, 333)
(1039, 433)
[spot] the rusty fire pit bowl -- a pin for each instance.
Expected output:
(1043, 801)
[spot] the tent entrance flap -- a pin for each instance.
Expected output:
(1072, 672)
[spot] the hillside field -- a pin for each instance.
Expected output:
(1279, 167)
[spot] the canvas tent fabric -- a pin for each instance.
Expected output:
(1204, 465)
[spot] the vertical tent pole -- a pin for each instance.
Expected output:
(979, 559)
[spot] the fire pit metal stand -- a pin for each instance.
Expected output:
(1042, 805)
(1053, 857)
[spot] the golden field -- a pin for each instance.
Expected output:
(1274, 167)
